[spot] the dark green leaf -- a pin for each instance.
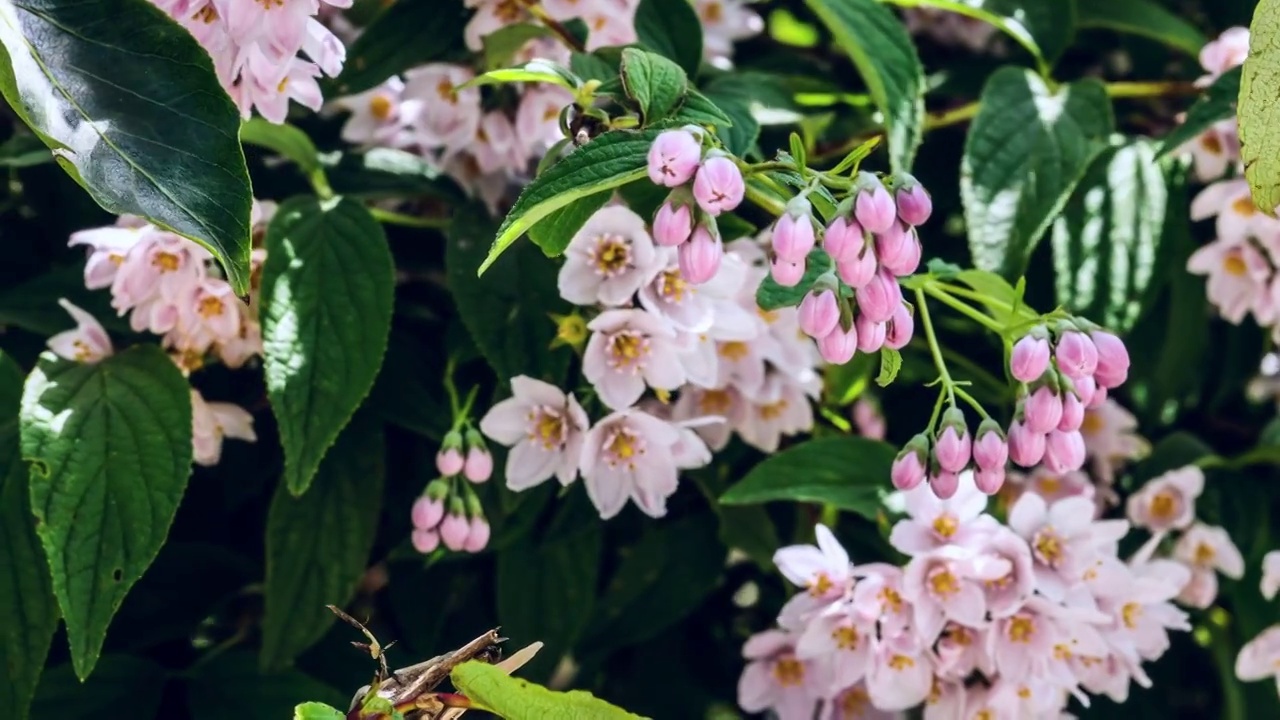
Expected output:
(33, 305)
(1142, 17)
(110, 447)
(672, 29)
(657, 84)
(284, 139)
(156, 136)
(1028, 148)
(404, 393)
(609, 161)
(23, 150)
(554, 233)
(845, 383)
(876, 41)
(1173, 452)
(387, 172)
(1217, 104)
(120, 681)
(1106, 242)
(771, 296)
(1256, 109)
(1044, 27)
(514, 699)
(394, 42)
(28, 611)
(506, 310)
(326, 299)
(501, 44)
(890, 364)
(590, 66)
(306, 569)
(745, 528)
(229, 687)
(546, 590)
(849, 473)
(660, 580)
(741, 134)
(701, 110)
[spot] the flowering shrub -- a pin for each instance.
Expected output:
(798, 359)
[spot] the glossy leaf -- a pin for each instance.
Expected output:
(657, 84)
(393, 42)
(671, 28)
(772, 296)
(504, 42)
(701, 110)
(1106, 242)
(1043, 27)
(307, 570)
(28, 610)
(849, 473)
(155, 136)
(876, 41)
(284, 139)
(554, 233)
(609, 161)
(743, 130)
(326, 297)
(1259, 121)
(1142, 17)
(492, 689)
(110, 447)
(1217, 104)
(1028, 148)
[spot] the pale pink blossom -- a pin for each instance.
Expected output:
(1237, 217)
(726, 402)
(108, 248)
(87, 342)
(1260, 657)
(545, 428)
(775, 679)
(782, 407)
(1207, 550)
(1214, 150)
(1064, 539)
(628, 350)
(1111, 439)
(380, 116)
(1239, 278)
(900, 674)
(212, 422)
(724, 22)
(450, 115)
(933, 522)
(1271, 574)
(1227, 51)
(1168, 501)
(824, 570)
(631, 455)
(609, 259)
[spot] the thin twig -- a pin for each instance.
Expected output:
(439, 671)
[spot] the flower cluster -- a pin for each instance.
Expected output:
(1240, 263)
(449, 512)
(986, 619)
(734, 369)
(170, 286)
(255, 44)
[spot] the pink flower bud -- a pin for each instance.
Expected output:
(700, 257)
(989, 481)
(1042, 411)
(1072, 413)
(900, 328)
(786, 274)
(672, 224)
(908, 260)
(477, 536)
(874, 207)
(871, 335)
(1084, 388)
(674, 157)
(792, 237)
(819, 313)
(1111, 379)
(1029, 359)
(892, 245)
(1099, 397)
(838, 346)
(843, 239)
(425, 541)
(454, 530)
(908, 469)
(426, 512)
(879, 298)
(1026, 446)
(1113, 356)
(449, 461)
(718, 187)
(479, 465)
(858, 270)
(952, 450)
(1076, 355)
(1064, 451)
(945, 484)
(914, 204)
(990, 452)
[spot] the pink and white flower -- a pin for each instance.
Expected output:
(1168, 501)
(87, 342)
(609, 259)
(628, 350)
(631, 455)
(545, 428)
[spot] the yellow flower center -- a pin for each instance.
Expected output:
(773, 410)
(671, 286)
(712, 12)
(1021, 629)
(1205, 554)
(83, 351)
(846, 638)
(1050, 485)
(1209, 141)
(943, 583)
(890, 599)
(380, 106)
(821, 585)
(734, 350)
(612, 255)
(901, 662)
(622, 447)
(206, 14)
(1233, 264)
(788, 671)
(1243, 205)
(1164, 506)
(548, 428)
(166, 262)
(445, 90)
(1131, 613)
(1047, 546)
(211, 306)
(715, 402)
(946, 525)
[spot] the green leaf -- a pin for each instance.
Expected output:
(554, 233)
(157, 138)
(1218, 103)
(772, 296)
(501, 44)
(28, 611)
(1142, 17)
(1259, 121)
(394, 42)
(747, 528)
(657, 84)
(1043, 28)
(701, 110)
(999, 296)
(741, 134)
(609, 161)
(661, 579)
(229, 687)
(307, 570)
(283, 139)
(326, 313)
(534, 71)
(33, 305)
(546, 590)
(506, 311)
(514, 699)
(890, 364)
(849, 473)
(387, 172)
(24, 150)
(590, 66)
(1106, 242)
(878, 43)
(120, 681)
(317, 711)
(1027, 150)
(110, 452)
(671, 28)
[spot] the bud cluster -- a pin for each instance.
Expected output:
(448, 511)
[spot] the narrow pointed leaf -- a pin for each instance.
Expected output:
(849, 473)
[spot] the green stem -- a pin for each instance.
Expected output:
(977, 316)
(1224, 659)
(391, 217)
(320, 183)
(973, 403)
(768, 202)
(761, 167)
(452, 391)
(947, 383)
